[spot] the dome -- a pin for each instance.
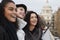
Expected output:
(47, 6)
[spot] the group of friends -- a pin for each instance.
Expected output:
(17, 23)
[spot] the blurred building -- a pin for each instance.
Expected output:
(47, 12)
(56, 23)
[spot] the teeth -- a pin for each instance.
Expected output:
(34, 22)
(13, 16)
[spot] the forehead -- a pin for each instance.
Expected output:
(20, 8)
(10, 4)
(33, 14)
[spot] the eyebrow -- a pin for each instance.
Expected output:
(10, 7)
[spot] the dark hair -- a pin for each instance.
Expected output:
(27, 19)
(3, 4)
(22, 5)
(2, 17)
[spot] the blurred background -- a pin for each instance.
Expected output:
(49, 10)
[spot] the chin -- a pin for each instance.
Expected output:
(13, 20)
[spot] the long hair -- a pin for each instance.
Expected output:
(27, 19)
(10, 28)
(2, 5)
(2, 10)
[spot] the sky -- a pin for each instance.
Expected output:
(37, 5)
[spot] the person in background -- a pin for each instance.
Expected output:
(32, 29)
(46, 34)
(21, 12)
(8, 22)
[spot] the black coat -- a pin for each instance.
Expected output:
(6, 36)
(7, 30)
(35, 35)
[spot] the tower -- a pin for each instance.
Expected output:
(46, 12)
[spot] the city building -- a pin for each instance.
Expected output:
(57, 23)
(46, 12)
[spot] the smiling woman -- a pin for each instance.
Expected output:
(10, 12)
(32, 29)
(8, 24)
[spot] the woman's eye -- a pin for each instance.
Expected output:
(11, 9)
(21, 9)
(31, 17)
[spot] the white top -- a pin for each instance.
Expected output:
(48, 36)
(20, 32)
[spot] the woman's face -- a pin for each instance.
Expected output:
(21, 12)
(33, 19)
(10, 11)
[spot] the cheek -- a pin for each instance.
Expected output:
(36, 20)
(23, 14)
(9, 17)
(7, 14)
(19, 10)
(31, 20)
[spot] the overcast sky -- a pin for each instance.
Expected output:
(37, 5)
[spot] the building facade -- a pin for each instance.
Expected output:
(57, 23)
(46, 12)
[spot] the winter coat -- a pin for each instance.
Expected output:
(7, 30)
(47, 35)
(34, 35)
(20, 32)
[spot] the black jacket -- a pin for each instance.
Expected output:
(7, 35)
(35, 35)
(3, 34)
(7, 30)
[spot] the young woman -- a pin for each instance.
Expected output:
(32, 29)
(8, 24)
(21, 12)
